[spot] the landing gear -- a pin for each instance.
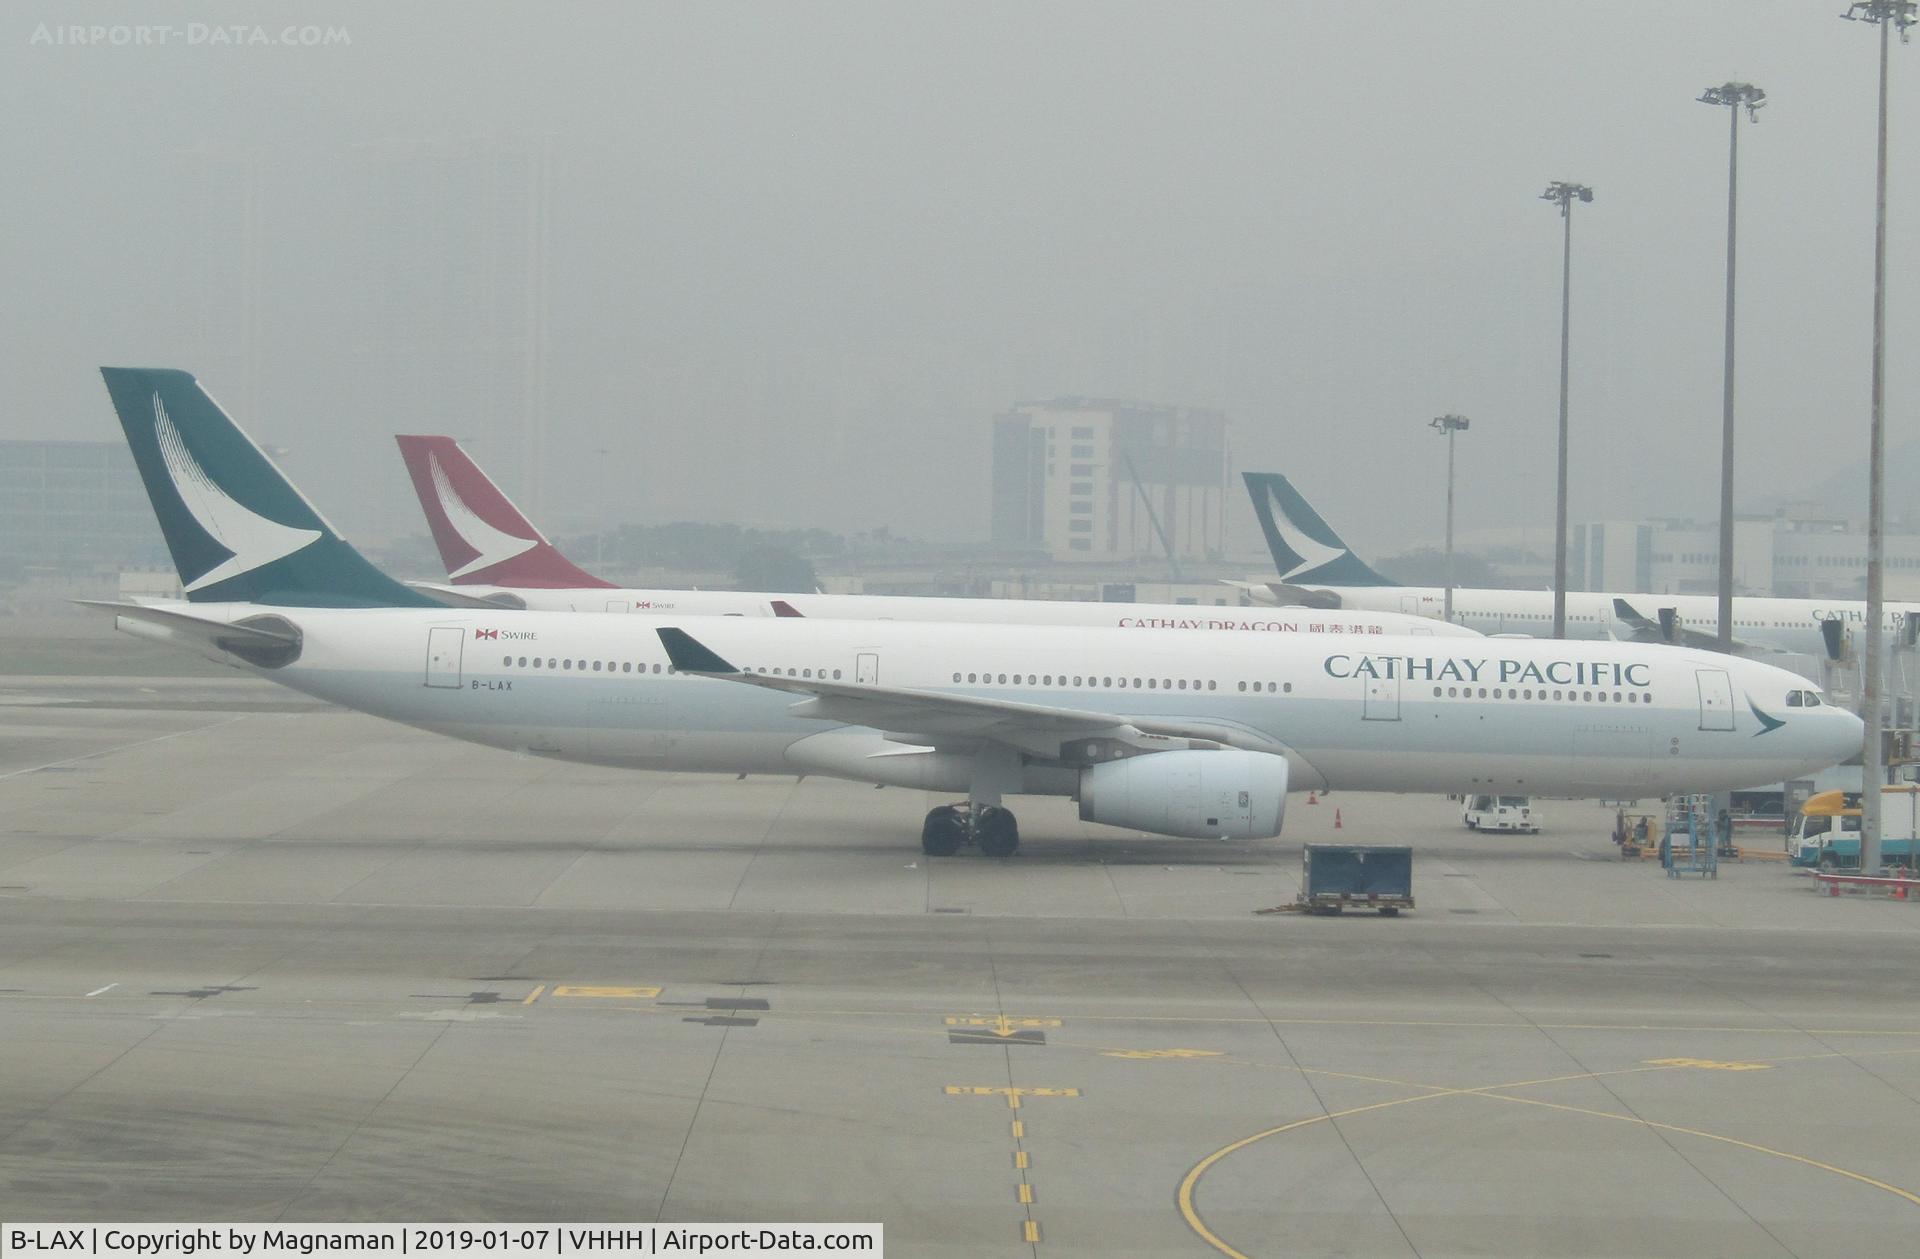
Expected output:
(951, 825)
(995, 830)
(944, 831)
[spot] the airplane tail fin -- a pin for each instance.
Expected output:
(483, 538)
(1305, 548)
(238, 530)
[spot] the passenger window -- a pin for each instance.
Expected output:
(568, 664)
(1153, 684)
(596, 666)
(1243, 686)
(1452, 692)
(1438, 691)
(1210, 685)
(507, 663)
(1183, 684)
(971, 677)
(523, 662)
(1049, 679)
(1288, 688)
(1106, 681)
(1076, 679)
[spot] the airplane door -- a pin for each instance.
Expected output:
(1716, 699)
(1410, 604)
(619, 605)
(1382, 702)
(866, 668)
(443, 655)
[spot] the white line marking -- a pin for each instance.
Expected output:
(140, 743)
(97, 991)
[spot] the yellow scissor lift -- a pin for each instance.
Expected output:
(1687, 845)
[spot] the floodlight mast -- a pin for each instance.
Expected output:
(1448, 425)
(1563, 194)
(1735, 96)
(1889, 16)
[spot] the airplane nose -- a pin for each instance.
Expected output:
(1847, 736)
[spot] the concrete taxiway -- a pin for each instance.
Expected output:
(265, 960)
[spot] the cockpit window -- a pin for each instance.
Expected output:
(1803, 699)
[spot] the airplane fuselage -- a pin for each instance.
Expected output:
(1171, 617)
(1787, 625)
(1360, 712)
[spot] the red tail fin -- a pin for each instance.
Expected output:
(483, 538)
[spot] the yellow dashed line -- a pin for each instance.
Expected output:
(534, 995)
(1031, 1233)
(1026, 1195)
(1019, 1130)
(1020, 1160)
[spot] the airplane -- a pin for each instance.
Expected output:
(1143, 730)
(496, 558)
(1317, 569)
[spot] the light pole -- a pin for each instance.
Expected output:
(1564, 195)
(1734, 96)
(1448, 425)
(1888, 15)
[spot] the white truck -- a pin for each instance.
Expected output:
(1500, 813)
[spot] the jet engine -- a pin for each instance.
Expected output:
(1226, 794)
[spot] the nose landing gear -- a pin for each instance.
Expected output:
(993, 828)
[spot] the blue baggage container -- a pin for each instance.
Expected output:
(1377, 876)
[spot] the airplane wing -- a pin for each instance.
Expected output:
(454, 597)
(1670, 629)
(1281, 595)
(938, 718)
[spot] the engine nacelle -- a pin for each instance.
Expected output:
(1228, 794)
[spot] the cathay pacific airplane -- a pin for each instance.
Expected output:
(1145, 730)
(496, 558)
(1317, 569)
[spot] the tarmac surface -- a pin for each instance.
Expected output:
(264, 960)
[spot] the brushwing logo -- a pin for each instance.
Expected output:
(1311, 552)
(251, 540)
(494, 546)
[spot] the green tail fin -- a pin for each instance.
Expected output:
(238, 529)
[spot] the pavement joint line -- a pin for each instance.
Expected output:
(124, 747)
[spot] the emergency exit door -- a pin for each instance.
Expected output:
(1716, 699)
(443, 655)
(866, 668)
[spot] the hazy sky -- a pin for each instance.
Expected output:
(799, 254)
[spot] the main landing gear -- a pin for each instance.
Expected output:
(951, 825)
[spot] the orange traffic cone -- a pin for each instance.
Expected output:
(1336, 819)
(1313, 797)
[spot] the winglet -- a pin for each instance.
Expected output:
(689, 655)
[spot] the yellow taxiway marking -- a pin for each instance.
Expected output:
(1160, 1053)
(534, 995)
(1026, 1195)
(1019, 1129)
(1012, 1095)
(1020, 1160)
(1496, 1092)
(602, 990)
(1000, 1023)
(1707, 1064)
(1031, 1233)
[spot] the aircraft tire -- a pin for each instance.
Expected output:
(996, 831)
(942, 832)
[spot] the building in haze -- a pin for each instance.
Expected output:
(74, 507)
(1793, 554)
(1093, 479)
